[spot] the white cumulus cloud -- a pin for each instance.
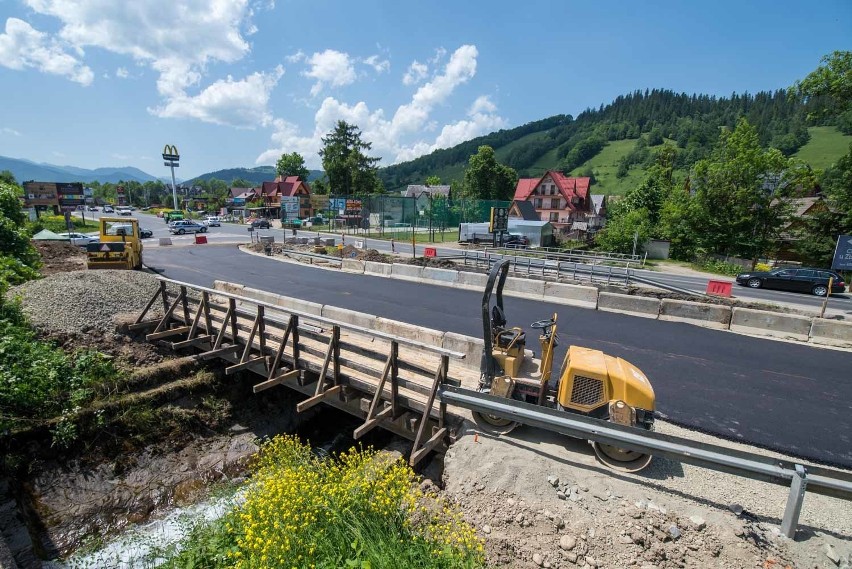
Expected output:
(179, 42)
(238, 103)
(415, 73)
(378, 64)
(22, 46)
(330, 67)
(122, 73)
(399, 137)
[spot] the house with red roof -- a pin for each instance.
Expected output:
(290, 186)
(557, 198)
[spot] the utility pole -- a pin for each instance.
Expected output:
(635, 239)
(171, 158)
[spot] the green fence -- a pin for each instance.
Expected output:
(401, 215)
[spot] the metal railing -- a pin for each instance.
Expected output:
(575, 255)
(799, 477)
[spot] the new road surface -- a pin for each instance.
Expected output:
(788, 397)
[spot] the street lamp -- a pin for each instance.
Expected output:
(171, 158)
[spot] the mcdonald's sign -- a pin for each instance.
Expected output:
(170, 152)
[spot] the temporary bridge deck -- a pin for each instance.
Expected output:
(411, 387)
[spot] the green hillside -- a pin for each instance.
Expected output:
(826, 145)
(601, 137)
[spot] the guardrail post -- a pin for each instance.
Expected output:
(794, 502)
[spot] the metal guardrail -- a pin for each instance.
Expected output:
(574, 255)
(527, 265)
(799, 477)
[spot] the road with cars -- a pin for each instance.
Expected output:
(229, 233)
(788, 397)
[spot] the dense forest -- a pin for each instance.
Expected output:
(693, 122)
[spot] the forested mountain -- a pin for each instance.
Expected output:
(256, 175)
(564, 142)
(24, 170)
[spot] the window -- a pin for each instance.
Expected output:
(554, 216)
(805, 273)
(787, 273)
(538, 203)
(554, 203)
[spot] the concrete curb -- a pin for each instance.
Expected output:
(698, 313)
(769, 325)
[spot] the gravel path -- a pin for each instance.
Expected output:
(79, 301)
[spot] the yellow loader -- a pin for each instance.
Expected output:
(120, 246)
(590, 382)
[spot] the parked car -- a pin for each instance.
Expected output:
(79, 239)
(145, 233)
(182, 226)
(93, 208)
(517, 241)
(124, 212)
(261, 224)
(806, 279)
(213, 221)
(108, 209)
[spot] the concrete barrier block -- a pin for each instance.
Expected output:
(444, 276)
(299, 305)
(410, 331)
(165, 240)
(352, 266)
(476, 281)
(328, 241)
(699, 313)
(407, 272)
(831, 332)
(523, 287)
(772, 324)
(374, 268)
(571, 295)
(230, 288)
(642, 306)
(349, 316)
(468, 345)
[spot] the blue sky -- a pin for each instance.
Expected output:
(94, 83)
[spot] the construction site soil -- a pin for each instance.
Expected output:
(537, 499)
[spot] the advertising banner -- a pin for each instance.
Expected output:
(843, 254)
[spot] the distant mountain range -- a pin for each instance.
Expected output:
(25, 170)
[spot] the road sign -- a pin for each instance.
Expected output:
(843, 254)
(499, 219)
(290, 206)
(105, 248)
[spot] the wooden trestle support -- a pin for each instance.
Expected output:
(286, 348)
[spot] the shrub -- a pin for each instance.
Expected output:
(14, 272)
(39, 381)
(362, 509)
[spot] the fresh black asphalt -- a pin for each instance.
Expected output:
(787, 397)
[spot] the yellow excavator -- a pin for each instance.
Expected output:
(590, 382)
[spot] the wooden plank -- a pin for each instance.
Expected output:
(277, 380)
(230, 370)
(252, 335)
(194, 329)
(192, 342)
(430, 445)
(280, 352)
(166, 333)
(150, 303)
(317, 399)
(215, 353)
(143, 325)
(370, 424)
(439, 376)
(167, 316)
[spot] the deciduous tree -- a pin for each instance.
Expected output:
(292, 164)
(487, 179)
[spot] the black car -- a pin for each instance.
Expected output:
(517, 241)
(145, 233)
(814, 281)
(261, 224)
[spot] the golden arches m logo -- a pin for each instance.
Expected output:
(170, 152)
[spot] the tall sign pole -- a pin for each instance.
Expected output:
(171, 158)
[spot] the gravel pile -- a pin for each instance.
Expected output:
(80, 301)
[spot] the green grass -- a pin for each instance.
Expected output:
(826, 145)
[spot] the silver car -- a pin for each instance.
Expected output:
(186, 226)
